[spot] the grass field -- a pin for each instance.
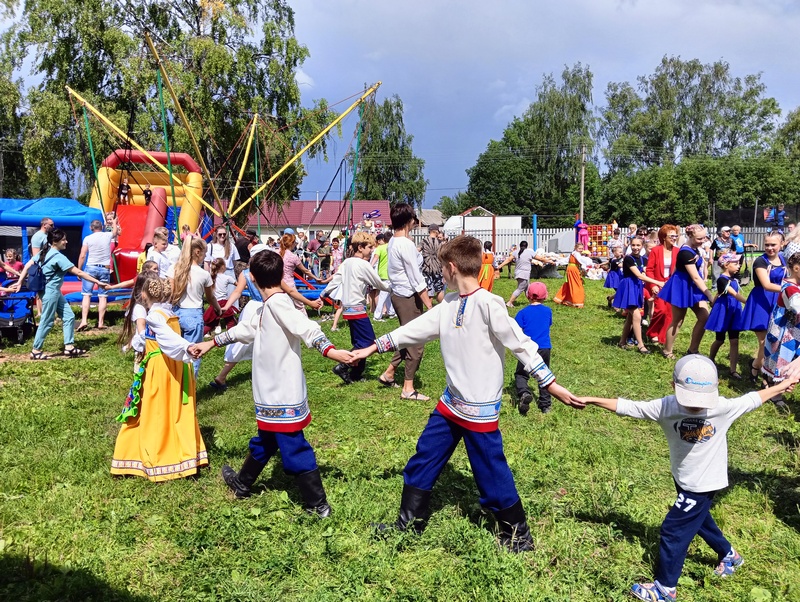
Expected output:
(595, 487)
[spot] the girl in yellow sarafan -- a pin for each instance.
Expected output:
(160, 436)
(571, 292)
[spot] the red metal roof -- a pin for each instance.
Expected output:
(331, 213)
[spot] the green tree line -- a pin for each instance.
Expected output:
(680, 142)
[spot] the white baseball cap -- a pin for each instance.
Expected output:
(696, 382)
(258, 248)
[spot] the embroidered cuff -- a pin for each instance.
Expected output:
(542, 374)
(385, 343)
(224, 338)
(323, 345)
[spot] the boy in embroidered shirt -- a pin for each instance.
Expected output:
(475, 329)
(279, 385)
(695, 421)
(352, 279)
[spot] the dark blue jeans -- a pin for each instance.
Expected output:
(485, 451)
(521, 379)
(689, 516)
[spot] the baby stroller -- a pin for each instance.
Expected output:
(16, 314)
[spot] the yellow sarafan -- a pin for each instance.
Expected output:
(163, 440)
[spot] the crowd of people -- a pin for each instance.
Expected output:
(184, 294)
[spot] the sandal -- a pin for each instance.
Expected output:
(387, 383)
(668, 355)
(736, 376)
(104, 327)
(39, 355)
(82, 327)
(415, 395)
(218, 386)
(755, 373)
(623, 346)
(75, 352)
(644, 350)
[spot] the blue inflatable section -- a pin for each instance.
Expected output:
(67, 214)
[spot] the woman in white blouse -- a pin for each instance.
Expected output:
(409, 294)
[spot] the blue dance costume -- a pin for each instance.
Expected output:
(758, 308)
(726, 315)
(614, 273)
(630, 293)
(679, 290)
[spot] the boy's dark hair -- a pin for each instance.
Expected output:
(487, 246)
(387, 236)
(267, 269)
(464, 252)
(402, 215)
(523, 245)
(379, 237)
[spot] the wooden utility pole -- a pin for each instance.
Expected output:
(583, 175)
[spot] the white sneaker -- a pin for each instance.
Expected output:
(218, 329)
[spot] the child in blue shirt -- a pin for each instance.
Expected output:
(535, 321)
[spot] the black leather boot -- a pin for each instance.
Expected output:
(343, 372)
(414, 510)
(514, 533)
(313, 493)
(241, 482)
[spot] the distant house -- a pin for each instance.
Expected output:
(327, 215)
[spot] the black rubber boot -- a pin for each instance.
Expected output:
(414, 510)
(343, 372)
(525, 399)
(313, 493)
(514, 533)
(241, 482)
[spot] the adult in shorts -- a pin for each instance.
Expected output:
(95, 258)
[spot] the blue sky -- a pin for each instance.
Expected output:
(464, 68)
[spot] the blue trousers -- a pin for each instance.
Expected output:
(485, 451)
(361, 336)
(689, 516)
(297, 454)
(55, 304)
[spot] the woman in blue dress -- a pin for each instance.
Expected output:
(769, 271)
(726, 315)
(686, 289)
(630, 295)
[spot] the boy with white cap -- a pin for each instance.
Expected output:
(695, 421)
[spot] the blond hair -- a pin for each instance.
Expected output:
(183, 267)
(361, 239)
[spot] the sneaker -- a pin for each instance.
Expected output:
(645, 322)
(218, 329)
(546, 409)
(525, 399)
(653, 592)
(728, 565)
(378, 320)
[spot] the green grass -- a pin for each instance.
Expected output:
(595, 487)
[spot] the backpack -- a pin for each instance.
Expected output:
(36, 278)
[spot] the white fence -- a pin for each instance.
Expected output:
(503, 240)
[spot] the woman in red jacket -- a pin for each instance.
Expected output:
(660, 265)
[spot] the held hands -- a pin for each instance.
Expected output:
(198, 350)
(317, 304)
(362, 354)
(342, 356)
(565, 396)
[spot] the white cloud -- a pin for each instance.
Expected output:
(303, 79)
(464, 68)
